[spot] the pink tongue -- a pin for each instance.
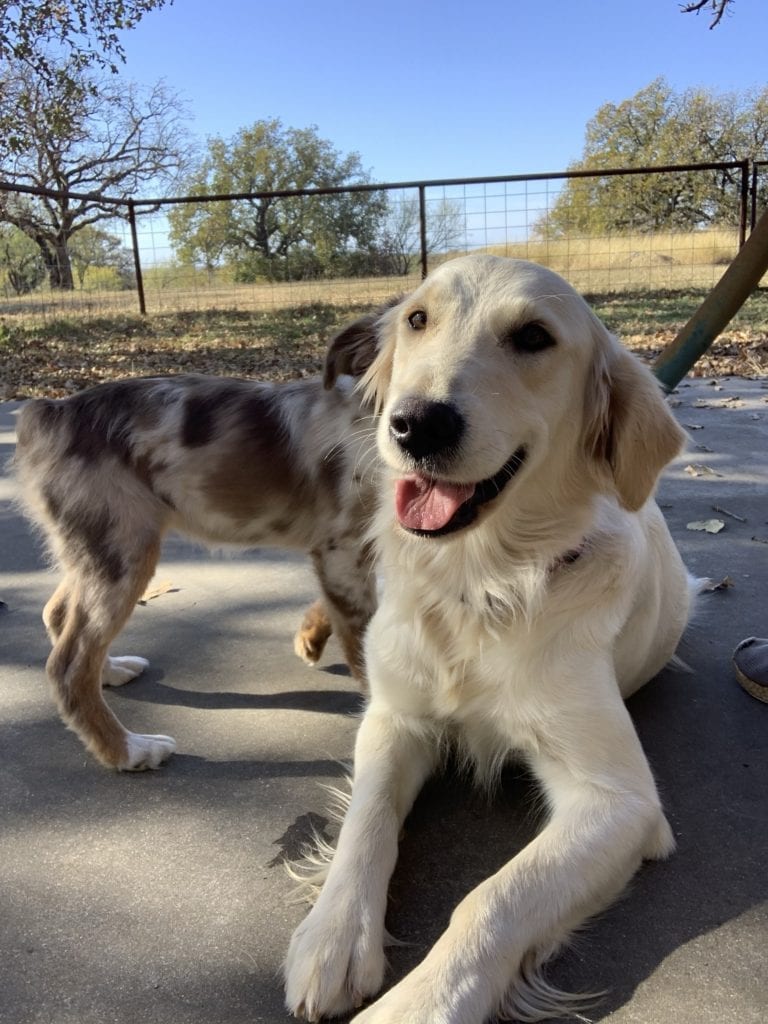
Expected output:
(423, 504)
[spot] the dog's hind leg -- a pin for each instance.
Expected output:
(116, 670)
(55, 612)
(83, 617)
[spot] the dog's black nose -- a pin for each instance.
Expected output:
(423, 428)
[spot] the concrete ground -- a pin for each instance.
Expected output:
(162, 896)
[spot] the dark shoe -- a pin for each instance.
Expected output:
(750, 663)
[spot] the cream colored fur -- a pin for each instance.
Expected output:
(519, 635)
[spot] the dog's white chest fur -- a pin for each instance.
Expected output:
(457, 652)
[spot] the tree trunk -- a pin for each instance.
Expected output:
(56, 261)
(58, 265)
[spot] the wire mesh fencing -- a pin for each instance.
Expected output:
(606, 231)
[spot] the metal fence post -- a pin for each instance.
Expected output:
(744, 202)
(136, 257)
(423, 231)
(756, 171)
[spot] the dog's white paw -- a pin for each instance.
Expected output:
(381, 1013)
(121, 670)
(146, 751)
(334, 961)
(661, 842)
(416, 1000)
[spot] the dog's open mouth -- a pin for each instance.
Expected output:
(433, 508)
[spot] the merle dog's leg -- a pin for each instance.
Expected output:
(344, 569)
(87, 611)
(313, 633)
(116, 670)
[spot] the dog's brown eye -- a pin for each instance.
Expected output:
(530, 338)
(418, 320)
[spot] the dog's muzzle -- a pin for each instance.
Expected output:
(429, 434)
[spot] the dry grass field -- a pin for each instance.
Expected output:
(171, 290)
(593, 264)
(644, 288)
(602, 264)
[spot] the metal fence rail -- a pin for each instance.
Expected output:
(510, 214)
(759, 173)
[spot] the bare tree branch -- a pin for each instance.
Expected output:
(718, 8)
(105, 139)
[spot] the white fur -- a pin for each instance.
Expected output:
(490, 640)
(146, 751)
(122, 669)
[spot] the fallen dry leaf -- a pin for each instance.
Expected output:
(707, 525)
(697, 469)
(725, 584)
(157, 590)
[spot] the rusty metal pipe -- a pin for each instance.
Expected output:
(718, 309)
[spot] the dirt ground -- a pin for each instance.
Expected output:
(61, 357)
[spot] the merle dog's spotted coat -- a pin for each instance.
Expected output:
(108, 472)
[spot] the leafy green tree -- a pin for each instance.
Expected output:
(658, 127)
(21, 264)
(92, 248)
(276, 237)
(83, 35)
(200, 232)
(118, 140)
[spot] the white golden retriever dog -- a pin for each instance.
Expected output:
(529, 585)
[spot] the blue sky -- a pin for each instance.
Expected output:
(428, 89)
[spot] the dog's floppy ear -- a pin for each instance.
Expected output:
(351, 351)
(354, 348)
(631, 429)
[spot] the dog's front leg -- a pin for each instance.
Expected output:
(336, 955)
(605, 818)
(344, 568)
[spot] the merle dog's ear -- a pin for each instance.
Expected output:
(352, 350)
(355, 347)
